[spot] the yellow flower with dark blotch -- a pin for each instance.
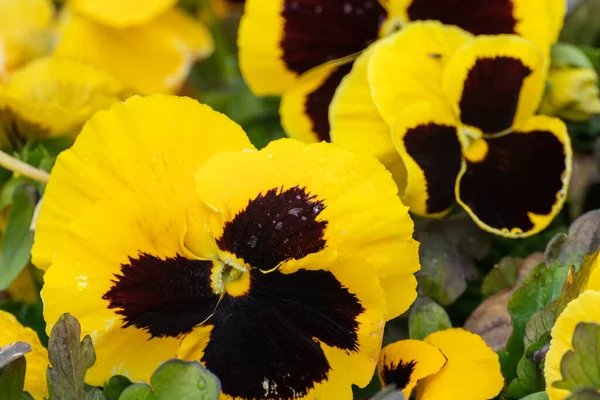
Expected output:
(37, 359)
(453, 364)
(303, 49)
(276, 269)
(461, 112)
(584, 309)
(24, 32)
(149, 45)
(53, 97)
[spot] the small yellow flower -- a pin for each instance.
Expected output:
(452, 365)
(149, 45)
(583, 310)
(37, 360)
(53, 97)
(24, 32)
(166, 233)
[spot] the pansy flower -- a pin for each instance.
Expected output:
(462, 119)
(166, 233)
(53, 97)
(24, 32)
(304, 48)
(37, 359)
(453, 364)
(149, 45)
(571, 363)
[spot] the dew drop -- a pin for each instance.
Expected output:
(252, 240)
(295, 212)
(279, 225)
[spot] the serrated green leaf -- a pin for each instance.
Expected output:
(12, 370)
(502, 276)
(94, 394)
(580, 367)
(16, 241)
(69, 358)
(425, 317)
(115, 386)
(176, 379)
(541, 286)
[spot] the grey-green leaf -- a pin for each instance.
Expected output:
(16, 241)
(502, 276)
(585, 394)
(70, 359)
(425, 317)
(536, 396)
(176, 379)
(12, 370)
(580, 367)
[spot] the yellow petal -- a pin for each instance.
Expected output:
(407, 67)
(148, 145)
(586, 308)
(495, 82)
(59, 95)
(94, 248)
(471, 373)
(305, 107)
(406, 362)
(23, 25)
(427, 140)
(512, 194)
(177, 42)
(37, 360)
(121, 14)
(364, 215)
(356, 123)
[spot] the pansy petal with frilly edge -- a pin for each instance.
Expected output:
(472, 371)
(356, 123)
(495, 82)
(133, 147)
(342, 186)
(280, 40)
(37, 360)
(305, 107)
(177, 42)
(426, 138)
(584, 309)
(519, 181)
(406, 362)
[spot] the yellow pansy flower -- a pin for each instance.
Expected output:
(461, 114)
(303, 49)
(53, 97)
(148, 45)
(37, 360)
(24, 32)
(166, 233)
(453, 364)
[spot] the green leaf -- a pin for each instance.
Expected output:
(536, 396)
(425, 317)
(502, 276)
(17, 241)
(12, 370)
(176, 379)
(580, 367)
(115, 386)
(541, 286)
(530, 377)
(26, 396)
(94, 394)
(565, 55)
(585, 394)
(70, 359)
(30, 315)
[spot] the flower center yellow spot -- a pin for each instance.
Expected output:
(231, 278)
(475, 148)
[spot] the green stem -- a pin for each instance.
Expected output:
(21, 168)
